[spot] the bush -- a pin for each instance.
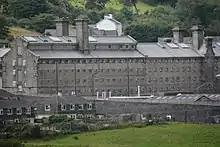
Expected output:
(10, 143)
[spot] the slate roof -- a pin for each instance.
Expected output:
(114, 40)
(47, 39)
(156, 50)
(61, 54)
(116, 54)
(4, 51)
(210, 99)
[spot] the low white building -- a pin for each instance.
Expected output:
(110, 24)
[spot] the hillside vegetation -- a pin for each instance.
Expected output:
(176, 135)
(116, 5)
(144, 20)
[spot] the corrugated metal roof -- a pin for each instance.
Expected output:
(61, 54)
(154, 50)
(4, 51)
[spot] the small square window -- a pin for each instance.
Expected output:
(63, 107)
(1, 111)
(89, 106)
(126, 46)
(72, 107)
(109, 46)
(80, 107)
(9, 112)
(47, 107)
(18, 111)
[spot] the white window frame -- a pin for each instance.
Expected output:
(28, 110)
(89, 106)
(14, 84)
(10, 111)
(73, 116)
(63, 107)
(73, 107)
(1, 112)
(47, 108)
(14, 72)
(24, 62)
(82, 107)
(18, 111)
(20, 88)
(13, 62)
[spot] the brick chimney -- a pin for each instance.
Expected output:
(197, 36)
(62, 27)
(82, 34)
(177, 35)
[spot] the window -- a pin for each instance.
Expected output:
(24, 62)
(13, 62)
(161, 79)
(161, 69)
(126, 46)
(18, 111)
(89, 106)
(19, 50)
(73, 116)
(48, 107)
(80, 107)
(14, 72)
(63, 107)
(14, 83)
(19, 61)
(28, 110)
(20, 88)
(132, 46)
(1, 111)
(72, 107)
(9, 112)
(121, 46)
(109, 46)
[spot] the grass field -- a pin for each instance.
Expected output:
(16, 31)
(142, 7)
(176, 135)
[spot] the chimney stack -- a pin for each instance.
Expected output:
(139, 91)
(62, 27)
(208, 41)
(197, 36)
(82, 34)
(177, 35)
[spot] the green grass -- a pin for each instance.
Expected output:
(176, 135)
(17, 31)
(142, 7)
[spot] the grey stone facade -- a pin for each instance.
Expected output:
(85, 65)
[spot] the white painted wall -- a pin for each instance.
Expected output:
(106, 24)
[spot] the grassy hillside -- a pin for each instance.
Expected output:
(143, 7)
(176, 135)
(16, 31)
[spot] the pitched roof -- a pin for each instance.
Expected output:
(166, 50)
(114, 40)
(4, 51)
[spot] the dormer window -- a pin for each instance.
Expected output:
(132, 46)
(109, 46)
(126, 46)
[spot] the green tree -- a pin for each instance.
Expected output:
(26, 8)
(95, 4)
(3, 27)
(42, 21)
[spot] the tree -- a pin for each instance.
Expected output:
(3, 27)
(95, 4)
(26, 8)
(42, 22)
(130, 3)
